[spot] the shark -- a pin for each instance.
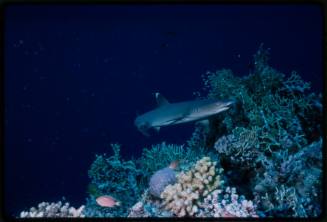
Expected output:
(167, 114)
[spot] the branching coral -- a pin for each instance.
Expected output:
(161, 155)
(183, 197)
(277, 120)
(115, 177)
(53, 210)
(294, 187)
(227, 203)
(241, 146)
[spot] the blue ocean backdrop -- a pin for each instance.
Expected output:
(77, 76)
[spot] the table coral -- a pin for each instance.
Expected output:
(182, 198)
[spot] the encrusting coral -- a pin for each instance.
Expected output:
(182, 198)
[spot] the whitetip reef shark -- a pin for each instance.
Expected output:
(167, 113)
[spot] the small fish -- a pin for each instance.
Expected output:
(107, 201)
(173, 165)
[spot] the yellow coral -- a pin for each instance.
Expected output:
(181, 198)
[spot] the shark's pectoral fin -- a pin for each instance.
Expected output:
(145, 132)
(157, 128)
(161, 101)
(205, 124)
(144, 128)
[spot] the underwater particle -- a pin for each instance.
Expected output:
(162, 178)
(107, 201)
(26, 86)
(107, 59)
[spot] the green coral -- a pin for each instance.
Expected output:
(115, 177)
(275, 117)
(266, 99)
(161, 155)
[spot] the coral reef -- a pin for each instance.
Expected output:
(199, 193)
(266, 144)
(182, 198)
(148, 206)
(226, 203)
(53, 210)
(160, 180)
(150, 162)
(241, 146)
(115, 177)
(269, 145)
(294, 188)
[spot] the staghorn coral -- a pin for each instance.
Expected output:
(227, 203)
(53, 210)
(183, 197)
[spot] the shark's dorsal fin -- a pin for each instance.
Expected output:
(161, 101)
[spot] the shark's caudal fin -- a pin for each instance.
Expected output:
(161, 101)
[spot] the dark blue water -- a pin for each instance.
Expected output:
(76, 77)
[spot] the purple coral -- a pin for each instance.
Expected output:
(160, 180)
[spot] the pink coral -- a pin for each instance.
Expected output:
(227, 204)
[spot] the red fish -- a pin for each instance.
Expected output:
(173, 165)
(107, 201)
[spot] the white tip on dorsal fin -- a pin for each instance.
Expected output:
(161, 101)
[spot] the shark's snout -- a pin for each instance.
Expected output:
(230, 103)
(222, 106)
